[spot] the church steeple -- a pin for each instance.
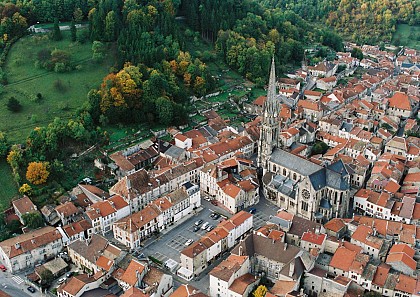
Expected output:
(270, 121)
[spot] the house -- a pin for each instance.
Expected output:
(103, 214)
(365, 237)
(312, 240)
(186, 290)
(67, 212)
(133, 229)
(399, 105)
(326, 83)
(232, 278)
(336, 227)
(49, 214)
(156, 283)
(95, 255)
(400, 258)
(323, 69)
(77, 286)
(278, 260)
(310, 110)
(74, 231)
(132, 275)
(23, 206)
(26, 250)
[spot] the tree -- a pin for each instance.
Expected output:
(165, 110)
(78, 15)
(33, 220)
(319, 148)
(4, 144)
(260, 291)
(25, 189)
(357, 53)
(98, 50)
(46, 277)
(37, 172)
(73, 31)
(13, 105)
(56, 33)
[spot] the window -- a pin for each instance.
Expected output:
(304, 206)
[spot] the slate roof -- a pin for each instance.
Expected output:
(333, 176)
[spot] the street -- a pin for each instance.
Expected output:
(15, 285)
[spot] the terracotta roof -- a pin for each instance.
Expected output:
(343, 258)
(67, 209)
(400, 101)
(134, 292)
(29, 241)
(335, 225)
(260, 100)
(402, 258)
(240, 284)
(75, 284)
(227, 268)
(364, 234)
(314, 238)
(406, 284)
(381, 274)
(77, 227)
(118, 202)
(187, 291)
(104, 263)
(24, 205)
(130, 274)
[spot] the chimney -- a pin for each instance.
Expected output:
(240, 251)
(292, 268)
(285, 246)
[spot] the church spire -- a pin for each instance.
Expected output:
(271, 94)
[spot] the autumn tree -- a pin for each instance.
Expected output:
(37, 172)
(260, 291)
(33, 220)
(25, 189)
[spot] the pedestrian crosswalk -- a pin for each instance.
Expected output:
(18, 279)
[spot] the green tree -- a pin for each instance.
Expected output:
(357, 53)
(73, 31)
(14, 105)
(98, 51)
(56, 33)
(319, 148)
(165, 110)
(33, 220)
(4, 144)
(78, 15)
(110, 26)
(46, 277)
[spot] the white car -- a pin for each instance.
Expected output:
(205, 225)
(188, 242)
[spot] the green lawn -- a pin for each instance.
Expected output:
(25, 81)
(407, 35)
(8, 188)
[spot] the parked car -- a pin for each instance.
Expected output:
(209, 228)
(204, 227)
(216, 216)
(69, 274)
(252, 210)
(31, 289)
(3, 268)
(188, 242)
(61, 280)
(196, 228)
(214, 202)
(198, 223)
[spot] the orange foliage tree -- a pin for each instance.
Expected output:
(37, 172)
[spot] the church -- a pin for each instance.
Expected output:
(293, 183)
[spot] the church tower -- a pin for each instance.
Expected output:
(269, 130)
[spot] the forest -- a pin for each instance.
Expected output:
(361, 21)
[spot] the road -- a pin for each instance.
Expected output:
(15, 285)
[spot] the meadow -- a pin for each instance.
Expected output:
(62, 93)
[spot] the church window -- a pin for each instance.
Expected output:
(294, 176)
(284, 172)
(304, 206)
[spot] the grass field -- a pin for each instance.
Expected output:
(8, 188)
(25, 81)
(407, 35)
